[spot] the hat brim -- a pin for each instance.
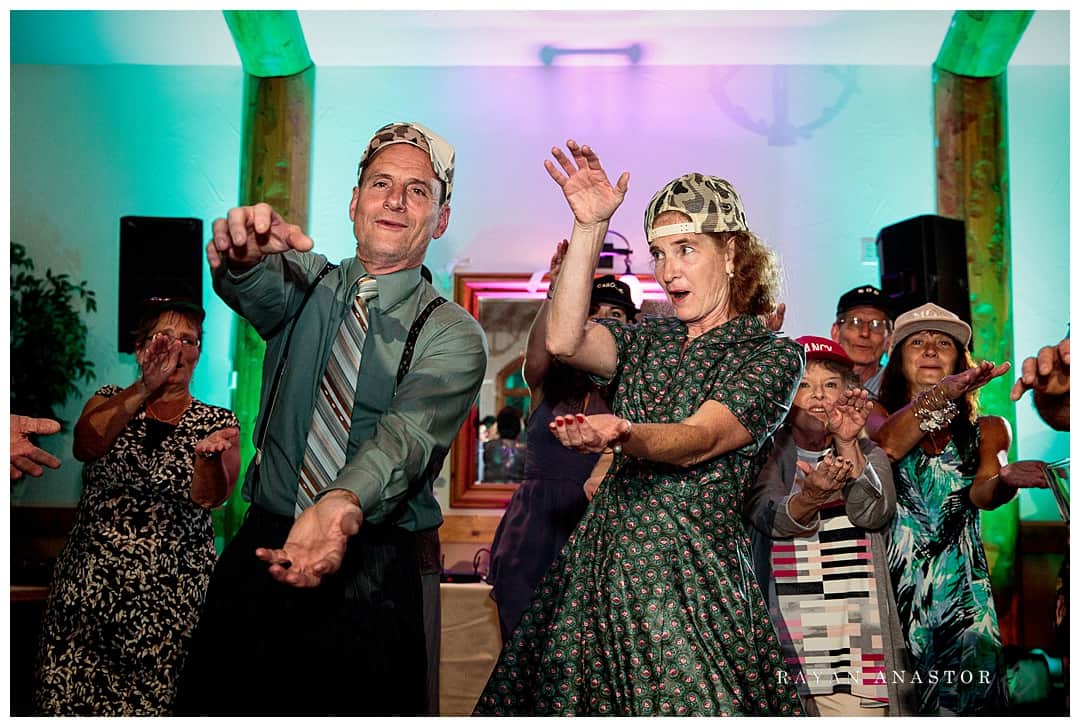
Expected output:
(878, 304)
(957, 329)
(829, 356)
(153, 307)
(614, 300)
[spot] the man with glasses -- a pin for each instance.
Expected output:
(863, 327)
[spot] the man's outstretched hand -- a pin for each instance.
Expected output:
(250, 233)
(25, 457)
(316, 543)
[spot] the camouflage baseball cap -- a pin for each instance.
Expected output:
(711, 203)
(409, 132)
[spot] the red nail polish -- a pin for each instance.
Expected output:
(581, 418)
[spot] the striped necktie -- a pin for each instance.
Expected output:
(328, 438)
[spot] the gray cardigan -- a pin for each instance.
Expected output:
(870, 501)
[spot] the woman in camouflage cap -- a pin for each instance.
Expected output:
(652, 607)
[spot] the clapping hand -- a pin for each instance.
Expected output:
(585, 184)
(820, 484)
(158, 360)
(556, 263)
(847, 415)
(249, 233)
(775, 321)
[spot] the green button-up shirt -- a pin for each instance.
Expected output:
(399, 434)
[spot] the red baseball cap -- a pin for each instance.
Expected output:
(823, 349)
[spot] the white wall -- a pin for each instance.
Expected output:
(90, 144)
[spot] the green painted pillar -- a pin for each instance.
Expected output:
(275, 167)
(971, 148)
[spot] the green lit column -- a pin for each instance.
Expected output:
(971, 146)
(275, 167)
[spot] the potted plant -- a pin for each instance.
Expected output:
(48, 338)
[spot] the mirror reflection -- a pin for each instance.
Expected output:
(488, 457)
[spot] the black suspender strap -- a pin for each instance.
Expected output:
(414, 333)
(272, 398)
(403, 365)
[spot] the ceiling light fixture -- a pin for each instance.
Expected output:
(549, 53)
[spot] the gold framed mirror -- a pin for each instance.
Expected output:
(505, 305)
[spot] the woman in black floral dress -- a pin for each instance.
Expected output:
(131, 578)
(652, 607)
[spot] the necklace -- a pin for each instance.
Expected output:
(935, 448)
(175, 417)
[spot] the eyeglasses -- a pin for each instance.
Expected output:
(184, 340)
(877, 325)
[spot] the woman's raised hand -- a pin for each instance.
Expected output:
(556, 263)
(158, 360)
(847, 415)
(585, 184)
(956, 385)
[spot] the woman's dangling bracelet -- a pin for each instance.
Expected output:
(933, 410)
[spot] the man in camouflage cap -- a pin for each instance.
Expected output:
(333, 578)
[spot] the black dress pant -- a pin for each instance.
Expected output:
(354, 645)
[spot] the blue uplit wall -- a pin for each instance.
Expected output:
(90, 144)
(93, 143)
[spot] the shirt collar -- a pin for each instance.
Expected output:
(743, 327)
(394, 287)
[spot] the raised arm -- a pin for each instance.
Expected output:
(571, 337)
(537, 358)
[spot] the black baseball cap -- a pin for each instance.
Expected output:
(606, 289)
(866, 295)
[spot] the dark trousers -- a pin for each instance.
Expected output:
(352, 646)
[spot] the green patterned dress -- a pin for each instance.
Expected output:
(652, 607)
(942, 585)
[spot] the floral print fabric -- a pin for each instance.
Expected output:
(652, 607)
(129, 583)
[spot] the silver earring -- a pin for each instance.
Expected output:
(730, 275)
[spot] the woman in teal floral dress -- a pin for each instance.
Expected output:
(652, 607)
(947, 467)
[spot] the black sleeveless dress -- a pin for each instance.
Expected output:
(540, 516)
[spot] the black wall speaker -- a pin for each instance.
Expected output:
(924, 260)
(159, 257)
